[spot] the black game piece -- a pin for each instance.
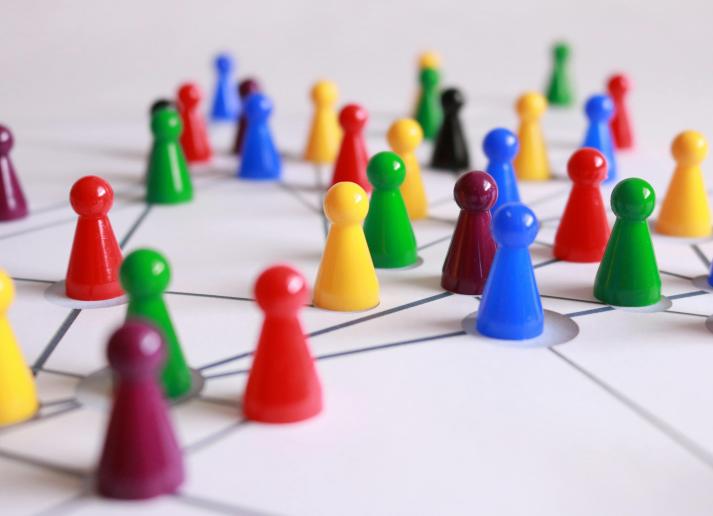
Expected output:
(451, 150)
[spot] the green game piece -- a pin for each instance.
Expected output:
(145, 275)
(559, 91)
(628, 274)
(168, 180)
(429, 113)
(387, 226)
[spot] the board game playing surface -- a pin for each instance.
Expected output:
(419, 418)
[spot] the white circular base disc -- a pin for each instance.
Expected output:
(56, 293)
(558, 330)
(663, 305)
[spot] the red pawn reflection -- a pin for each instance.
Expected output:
(352, 158)
(93, 271)
(472, 248)
(283, 386)
(620, 124)
(584, 229)
(194, 138)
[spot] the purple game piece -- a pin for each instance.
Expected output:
(472, 247)
(247, 87)
(141, 458)
(12, 201)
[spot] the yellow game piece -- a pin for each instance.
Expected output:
(429, 59)
(18, 396)
(531, 162)
(325, 135)
(346, 280)
(404, 136)
(685, 211)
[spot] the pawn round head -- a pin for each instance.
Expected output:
(258, 107)
(386, 171)
(587, 166)
(7, 291)
(223, 63)
(405, 135)
(429, 59)
(452, 100)
(514, 225)
(324, 93)
(91, 196)
(561, 51)
(281, 290)
(619, 84)
(475, 191)
(599, 108)
(346, 203)
(247, 87)
(633, 199)
(689, 148)
(135, 349)
(500, 145)
(429, 78)
(6, 140)
(531, 105)
(353, 118)
(159, 104)
(145, 273)
(166, 124)
(189, 95)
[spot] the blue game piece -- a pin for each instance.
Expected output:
(599, 110)
(510, 307)
(226, 102)
(501, 146)
(260, 159)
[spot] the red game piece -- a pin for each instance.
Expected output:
(584, 229)
(620, 124)
(12, 201)
(246, 88)
(93, 271)
(283, 385)
(472, 248)
(194, 138)
(352, 158)
(141, 458)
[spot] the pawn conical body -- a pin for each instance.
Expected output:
(140, 458)
(346, 280)
(325, 133)
(18, 394)
(685, 211)
(531, 162)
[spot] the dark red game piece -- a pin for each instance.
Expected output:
(194, 138)
(12, 201)
(245, 89)
(352, 158)
(620, 124)
(141, 458)
(584, 229)
(283, 385)
(93, 271)
(472, 247)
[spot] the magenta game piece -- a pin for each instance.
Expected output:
(141, 458)
(12, 201)
(246, 88)
(472, 248)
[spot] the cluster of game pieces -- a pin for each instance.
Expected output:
(371, 204)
